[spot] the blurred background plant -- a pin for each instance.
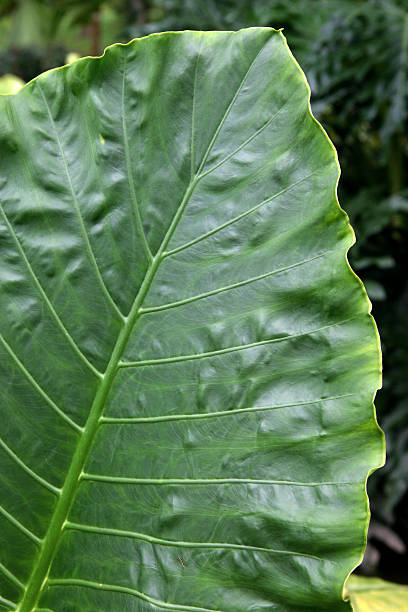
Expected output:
(355, 55)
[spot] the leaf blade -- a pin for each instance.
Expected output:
(276, 337)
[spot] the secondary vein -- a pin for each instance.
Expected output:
(129, 168)
(237, 218)
(230, 349)
(243, 283)
(182, 543)
(121, 589)
(84, 233)
(27, 469)
(8, 603)
(204, 481)
(20, 526)
(11, 577)
(220, 413)
(45, 298)
(37, 387)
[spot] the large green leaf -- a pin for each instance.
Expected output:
(187, 361)
(375, 595)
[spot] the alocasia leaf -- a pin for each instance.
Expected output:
(187, 361)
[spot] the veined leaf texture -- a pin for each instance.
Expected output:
(187, 362)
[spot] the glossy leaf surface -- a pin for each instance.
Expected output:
(187, 361)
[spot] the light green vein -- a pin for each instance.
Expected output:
(193, 113)
(45, 298)
(28, 470)
(37, 387)
(230, 349)
(243, 283)
(129, 168)
(205, 481)
(120, 589)
(220, 413)
(181, 543)
(11, 577)
(243, 145)
(227, 112)
(237, 218)
(20, 526)
(84, 233)
(8, 603)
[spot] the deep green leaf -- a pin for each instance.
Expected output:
(187, 361)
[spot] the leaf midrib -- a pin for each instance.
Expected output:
(73, 479)
(39, 576)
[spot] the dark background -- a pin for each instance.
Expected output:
(355, 55)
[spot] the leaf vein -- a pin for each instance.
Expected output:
(243, 283)
(192, 152)
(228, 110)
(11, 577)
(37, 387)
(204, 481)
(129, 168)
(219, 413)
(224, 351)
(8, 603)
(20, 526)
(120, 589)
(28, 470)
(181, 543)
(237, 218)
(243, 145)
(45, 298)
(84, 233)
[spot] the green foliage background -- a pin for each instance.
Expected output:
(355, 54)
